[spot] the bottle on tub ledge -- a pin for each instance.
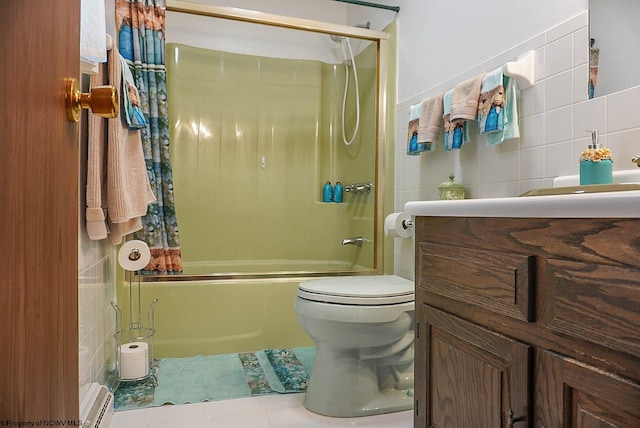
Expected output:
(327, 192)
(596, 163)
(337, 192)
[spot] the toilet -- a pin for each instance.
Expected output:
(363, 329)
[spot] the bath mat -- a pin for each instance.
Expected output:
(220, 377)
(284, 370)
(201, 378)
(135, 395)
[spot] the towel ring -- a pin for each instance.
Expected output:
(102, 100)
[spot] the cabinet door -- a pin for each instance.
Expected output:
(572, 394)
(468, 376)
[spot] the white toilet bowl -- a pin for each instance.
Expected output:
(363, 329)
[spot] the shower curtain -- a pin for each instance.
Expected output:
(141, 30)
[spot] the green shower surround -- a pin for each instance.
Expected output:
(228, 110)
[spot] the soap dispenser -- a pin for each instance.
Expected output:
(596, 163)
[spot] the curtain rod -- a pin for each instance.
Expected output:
(376, 5)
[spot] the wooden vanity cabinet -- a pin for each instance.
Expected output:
(527, 322)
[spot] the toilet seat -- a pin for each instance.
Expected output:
(358, 291)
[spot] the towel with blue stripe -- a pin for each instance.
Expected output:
(456, 133)
(510, 129)
(492, 103)
(414, 148)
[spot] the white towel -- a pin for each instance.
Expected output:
(93, 35)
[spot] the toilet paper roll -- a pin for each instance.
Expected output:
(399, 225)
(134, 360)
(134, 255)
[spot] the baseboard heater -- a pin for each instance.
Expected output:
(96, 409)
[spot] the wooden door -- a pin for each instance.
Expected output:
(571, 394)
(39, 48)
(470, 376)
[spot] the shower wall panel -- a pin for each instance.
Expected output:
(253, 141)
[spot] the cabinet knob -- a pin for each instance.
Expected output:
(512, 420)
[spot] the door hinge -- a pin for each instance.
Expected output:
(418, 330)
(417, 407)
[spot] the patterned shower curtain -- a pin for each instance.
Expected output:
(141, 32)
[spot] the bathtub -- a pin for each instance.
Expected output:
(240, 308)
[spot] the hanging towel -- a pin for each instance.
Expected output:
(96, 172)
(93, 35)
(464, 100)
(128, 188)
(455, 133)
(491, 105)
(430, 119)
(510, 129)
(131, 99)
(414, 148)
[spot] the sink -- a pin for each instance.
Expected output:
(568, 184)
(626, 177)
(612, 204)
(592, 188)
(567, 199)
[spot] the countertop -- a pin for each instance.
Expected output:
(623, 204)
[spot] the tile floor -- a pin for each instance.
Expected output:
(266, 411)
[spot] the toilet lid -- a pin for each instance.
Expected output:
(358, 290)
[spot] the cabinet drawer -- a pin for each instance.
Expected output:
(499, 282)
(596, 303)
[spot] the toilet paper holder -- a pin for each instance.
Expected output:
(135, 330)
(407, 224)
(398, 225)
(134, 255)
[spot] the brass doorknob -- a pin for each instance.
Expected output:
(102, 100)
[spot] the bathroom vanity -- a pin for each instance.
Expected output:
(528, 311)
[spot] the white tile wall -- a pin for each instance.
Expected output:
(96, 289)
(558, 125)
(559, 90)
(554, 115)
(559, 56)
(623, 110)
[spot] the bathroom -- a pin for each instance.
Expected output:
(547, 148)
(555, 112)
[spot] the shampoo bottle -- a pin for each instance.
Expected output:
(327, 192)
(596, 163)
(337, 192)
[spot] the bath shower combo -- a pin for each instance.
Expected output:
(247, 303)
